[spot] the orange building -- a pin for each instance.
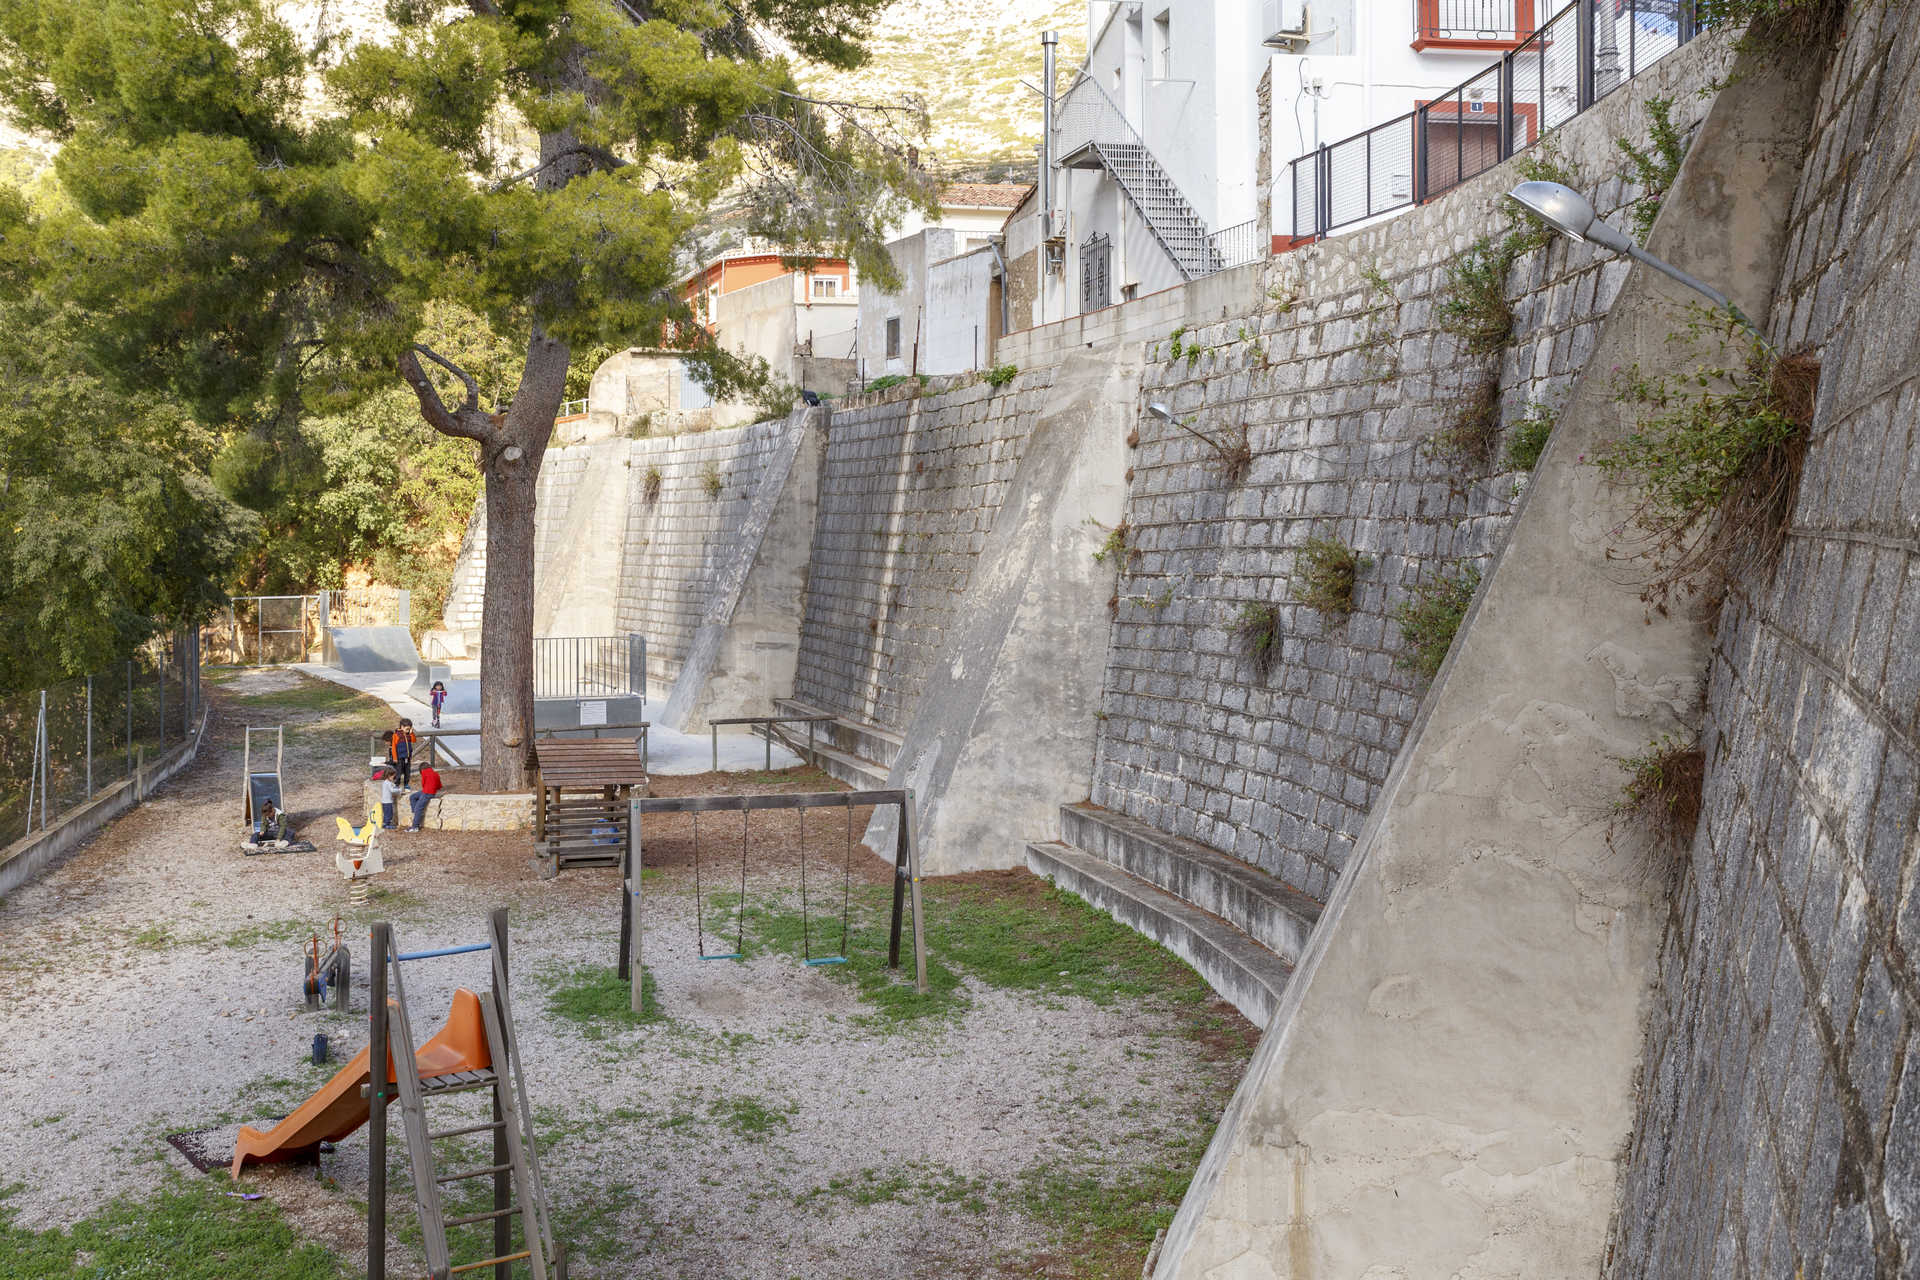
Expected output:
(827, 279)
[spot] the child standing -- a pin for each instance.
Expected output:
(390, 791)
(438, 697)
(400, 744)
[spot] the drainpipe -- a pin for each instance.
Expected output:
(1048, 40)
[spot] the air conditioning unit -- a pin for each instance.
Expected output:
(1287, 23)
(1057, 224)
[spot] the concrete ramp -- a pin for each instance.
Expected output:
(371, 649)
(462, 695)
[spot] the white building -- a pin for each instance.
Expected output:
(1190, 139)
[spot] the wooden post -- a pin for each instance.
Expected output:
(630, 929)
(503, 1180)
(899, 887)
(913, 870)
(539, 808)
(377, 1104)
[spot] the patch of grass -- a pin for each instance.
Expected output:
(748, 1117)
(187, 1230)
(1662, 791)
(1715, 460)
(1529, 438)
(155, 937)
(1653, 166)
(1001, 374)
(1473, 305)
(1429, 620)
(710, 480)
(310, 695)
(1101, 1221)
(1323, 575)
(886, 380)
(1257, 627)
(650, 485)
(597, 997)
(268, 931)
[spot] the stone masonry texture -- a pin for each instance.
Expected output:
(1779, 1127)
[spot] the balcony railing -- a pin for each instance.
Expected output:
(1582, 54)
(1471, 24)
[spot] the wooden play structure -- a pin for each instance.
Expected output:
(906, 873)
(581, 789)
(477, 1048)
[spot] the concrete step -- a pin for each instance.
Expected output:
(1266, 909)
(1243, 973)
(856, 738)
(863, 775)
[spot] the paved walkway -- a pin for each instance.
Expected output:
(668, 751)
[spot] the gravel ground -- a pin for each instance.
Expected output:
(767, 1124)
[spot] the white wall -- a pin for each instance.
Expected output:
(959, 298)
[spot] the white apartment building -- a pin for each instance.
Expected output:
(1173, 148)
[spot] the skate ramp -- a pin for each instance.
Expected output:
(371, 649)
(462, 695)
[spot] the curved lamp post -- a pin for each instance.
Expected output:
(1569, 213)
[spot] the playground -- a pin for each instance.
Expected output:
(1036, 1111)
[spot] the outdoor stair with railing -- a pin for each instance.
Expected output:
(1093, 133)
(1242, 929)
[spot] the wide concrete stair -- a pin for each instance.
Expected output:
(857, 753)
(1240, 928)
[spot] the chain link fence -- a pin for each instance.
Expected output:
(62, 745)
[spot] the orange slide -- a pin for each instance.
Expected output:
(337, 1109)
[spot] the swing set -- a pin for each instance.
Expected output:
(906, 876)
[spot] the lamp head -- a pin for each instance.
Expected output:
(1160, 411)
(1568, 212)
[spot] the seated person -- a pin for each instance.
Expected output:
(271, 825)
(429, 788)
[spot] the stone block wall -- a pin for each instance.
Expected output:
(1340, 375)
(1779, 1124)
(910, 487)
(676, 541)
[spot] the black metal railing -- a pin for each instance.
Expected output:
(1459, 23)
(589, 666)
(1580, 55)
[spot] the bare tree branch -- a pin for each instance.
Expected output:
(606, 160)
(465, 421)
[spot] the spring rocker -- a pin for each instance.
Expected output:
(906, 876)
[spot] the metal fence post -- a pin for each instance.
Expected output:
(1420, 155)
(1583, 55)
(89, 737)
(129, 717)
(160, 683)
(1506, 107)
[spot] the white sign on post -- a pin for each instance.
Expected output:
(592, 713)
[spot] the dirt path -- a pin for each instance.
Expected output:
(771, 1120)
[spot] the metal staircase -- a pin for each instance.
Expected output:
(1091, 132)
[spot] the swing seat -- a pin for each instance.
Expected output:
(816, 963)
(722, 955)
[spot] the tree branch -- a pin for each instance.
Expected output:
(600, 155)
(465, 421)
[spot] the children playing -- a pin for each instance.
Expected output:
(429, 788)
(437, 697)
(400, 744)
(390, 791)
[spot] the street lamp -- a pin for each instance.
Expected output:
(1569, 213)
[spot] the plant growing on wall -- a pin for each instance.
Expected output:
(1323, 574)
(1662, 792)
(1429, 619)
(650, 486)
(1258, 629)
(1654, 166)
(1527, 230)
(1173, 343)
(1379, 338)
(1115, 546)
(1472, 424)
(1715, 461)
(1001, 374)
(710, 480)
(1473, 303)
(1232, 451)
(886, 380)
(1529, 438)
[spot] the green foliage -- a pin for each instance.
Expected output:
(1654, 166)
(1430, 618)
(1542, 163)
(1529, 438)
(1115, 547)
(188, 1230)
(1714, 457)
(650, 487)
(1473, 305)
(1777, 27)
(1001, 374)
(886, 380)
(1472, 426)
(1258, 628)
(1663, 788)
(596, 997)
(710, 480)
(1323, 574)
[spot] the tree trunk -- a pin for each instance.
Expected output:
(510, 463)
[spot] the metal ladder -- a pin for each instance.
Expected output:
(515, 1166)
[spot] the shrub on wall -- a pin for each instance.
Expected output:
(1715, 460)
(1429, 620)
(1529, 438)
(1323, 574)
(710, 480)
(1662, 792)
(1473, 304)
(1472, 425)
(1001, 374)
(1258, 629)
(1655, 165)
(650, 487)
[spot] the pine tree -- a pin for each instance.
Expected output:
(257, 248)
